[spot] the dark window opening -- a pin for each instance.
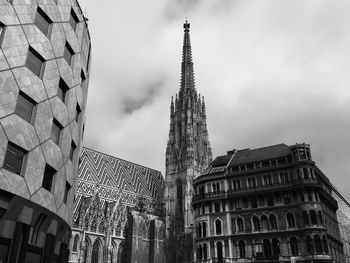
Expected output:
(77, 113)
(43, 22)
(35, 62)
(55, 131)
(68, 53)
(66, 192)
(14, 158)
(73, 20)
(48, 177)
(24, 107)
(62, 90)
(72, 149)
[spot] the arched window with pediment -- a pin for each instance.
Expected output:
(264, 223)
(199, 229)
(273, 222)
(241, 248)
(256, 223)
(240, 224)
(204, 229)
(218, 226)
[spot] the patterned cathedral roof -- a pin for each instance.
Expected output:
(109, 176)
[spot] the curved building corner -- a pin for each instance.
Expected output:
(44, 72)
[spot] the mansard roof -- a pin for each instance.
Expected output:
(259, 154)
(222, 160)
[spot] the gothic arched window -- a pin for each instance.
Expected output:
(95, 252)
(75, 243)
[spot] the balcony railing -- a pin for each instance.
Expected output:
(260, 188)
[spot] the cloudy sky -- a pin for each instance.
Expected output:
(271, 71)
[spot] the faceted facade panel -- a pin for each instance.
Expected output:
(36, 212)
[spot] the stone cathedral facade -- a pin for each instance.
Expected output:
(188, 152)
(118, 212)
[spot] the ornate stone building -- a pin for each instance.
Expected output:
(44, 72)
(343, 215)
(271, 204)
(118, 212)
(188, 152)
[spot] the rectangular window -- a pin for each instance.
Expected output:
(217, 207)
(24, 107)
(68, 53)
(55, 131)
(73, 20)
(35, 62)
(42, 21)
(62, 90)
(14, 158)
(66, 192)
(72, 149)
(77, 113)
(238, 204)
(48, 177)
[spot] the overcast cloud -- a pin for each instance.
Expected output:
(271, 72)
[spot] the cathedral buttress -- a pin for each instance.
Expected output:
(188, 153)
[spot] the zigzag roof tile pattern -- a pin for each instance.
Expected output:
(110, 175)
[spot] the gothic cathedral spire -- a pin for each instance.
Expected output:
(188, 153)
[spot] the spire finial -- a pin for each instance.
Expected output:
(186, 25)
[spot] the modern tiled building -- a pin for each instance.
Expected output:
(271, 204)
(118, 211)
(44, 72)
